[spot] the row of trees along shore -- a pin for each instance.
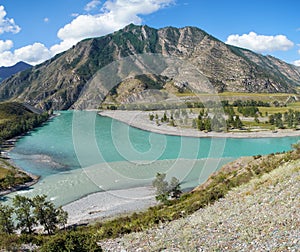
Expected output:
(223, 119)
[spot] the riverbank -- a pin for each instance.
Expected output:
(140, 120)
(8, 145)
(109, 204)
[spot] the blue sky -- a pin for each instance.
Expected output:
(34, 31)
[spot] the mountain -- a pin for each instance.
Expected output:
(90, 71)
(6, 72)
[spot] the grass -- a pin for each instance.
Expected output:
(241, 96)
(3, 172)
(273, 110)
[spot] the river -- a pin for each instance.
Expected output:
(79, 152)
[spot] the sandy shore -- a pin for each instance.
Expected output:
(102, 205)
(140, 119)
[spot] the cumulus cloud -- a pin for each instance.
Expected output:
(114, 15)
(92, 5)
(260, 43)
(32, 54)
(5, 45)
(7, 24)
(297, 63)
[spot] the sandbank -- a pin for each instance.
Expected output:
(140, 120)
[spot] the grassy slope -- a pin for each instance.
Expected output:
(14, 114)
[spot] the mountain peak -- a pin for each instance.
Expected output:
(6, 72)
(58, 82)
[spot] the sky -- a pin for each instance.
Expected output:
(35, 30)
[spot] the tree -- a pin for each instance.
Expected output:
(174, 188)
(23, 210)
(164, 190)
(161, 187)
(151, 117)
(238, 123)
(62, 217)
(45, 213)
(6, 221)
(207, 124)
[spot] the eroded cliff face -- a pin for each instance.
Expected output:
(68, 80)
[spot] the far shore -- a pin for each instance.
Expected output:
(140, 120)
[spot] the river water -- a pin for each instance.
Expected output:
(79, 152)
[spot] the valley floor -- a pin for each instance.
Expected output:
(262, 215)
(140, 119)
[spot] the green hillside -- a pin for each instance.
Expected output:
(15, 119)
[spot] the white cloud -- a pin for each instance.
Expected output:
(92, 5)
(7, 24)
(62, 46)
(46, 20)
(260, 43)
(114, 15)
(297, 63)
(32, 54)
(5, 45)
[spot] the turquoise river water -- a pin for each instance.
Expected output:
(78, 153)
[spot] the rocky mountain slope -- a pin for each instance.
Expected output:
(6, 72)
(259, 216)
(83, 76)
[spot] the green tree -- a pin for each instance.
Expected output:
(161, 187)
(164, 190)
(174, 188)
(151, 117)
(45, 213)
(6, 221)
(238, 123)
(207, 124)
(23, 210)
(62, 217)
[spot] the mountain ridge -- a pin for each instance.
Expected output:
(6, 72)
(58, 82)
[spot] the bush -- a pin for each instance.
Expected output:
(72, 241)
